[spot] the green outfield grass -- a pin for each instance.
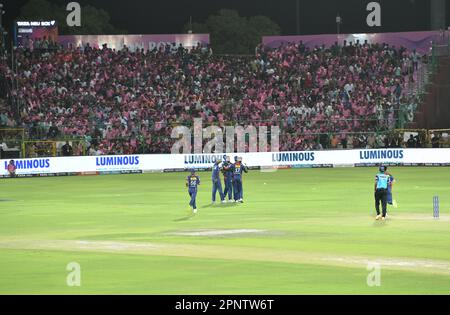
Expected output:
(299, 232)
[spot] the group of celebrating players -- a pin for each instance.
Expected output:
(232, 176)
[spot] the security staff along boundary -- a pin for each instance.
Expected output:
(94, 165)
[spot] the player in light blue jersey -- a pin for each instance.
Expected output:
(192, 182)
(381, 190)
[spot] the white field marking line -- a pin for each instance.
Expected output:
(231, 253)
(216, 232)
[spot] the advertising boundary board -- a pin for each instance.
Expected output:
(130, 164)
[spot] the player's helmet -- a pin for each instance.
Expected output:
(228, 158)
(192, 170)
(383, 168)
(236, 158)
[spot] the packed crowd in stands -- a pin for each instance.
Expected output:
(6, 116)
(124, 102)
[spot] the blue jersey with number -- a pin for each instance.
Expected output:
(238, 168)
(193, 182)
(382, 180)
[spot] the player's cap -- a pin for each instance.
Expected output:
(383, 168)
(239, 158)
(228, 158)
(236, 158)
(192, 170)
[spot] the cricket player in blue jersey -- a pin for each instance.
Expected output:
(232, 171)
(245, 168)
(390, 199)
(216, 182)
(381, 189)
(192, 183)
(238, 169)
(228, 178)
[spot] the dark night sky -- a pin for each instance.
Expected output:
(316, 16)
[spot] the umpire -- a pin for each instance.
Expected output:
(381, 191)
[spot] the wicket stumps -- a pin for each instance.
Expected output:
(436, 207)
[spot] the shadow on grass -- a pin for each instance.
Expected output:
(220, 205)
(184, 218)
